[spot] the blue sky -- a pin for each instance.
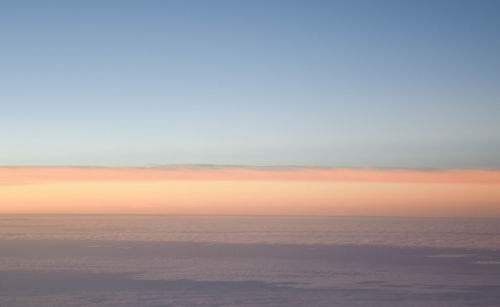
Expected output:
(318, 83)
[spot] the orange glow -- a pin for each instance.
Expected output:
(44, 174)
(314, 191)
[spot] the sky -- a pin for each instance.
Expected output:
(250, 107)
(391, 84)
(243, 191)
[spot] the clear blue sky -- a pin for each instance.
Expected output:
(322, 83)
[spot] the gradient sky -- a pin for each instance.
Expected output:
(412, 84)
(219, 190)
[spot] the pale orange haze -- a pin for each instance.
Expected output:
(243, 190)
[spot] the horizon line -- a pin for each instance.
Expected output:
(247, 166)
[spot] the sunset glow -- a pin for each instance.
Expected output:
(296, 191)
